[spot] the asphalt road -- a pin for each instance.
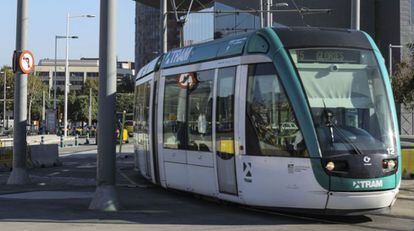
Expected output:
(58, 199)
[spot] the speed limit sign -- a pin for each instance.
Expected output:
(26, 62)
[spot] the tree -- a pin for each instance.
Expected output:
(35, 89)
(126, 85)
(10, 87)
(124, 102)
(403, 80)
(90, 83)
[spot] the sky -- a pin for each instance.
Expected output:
(47, 18)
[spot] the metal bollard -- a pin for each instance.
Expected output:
(42, 140)
(76, 140)
(87, 138)
(62, 144)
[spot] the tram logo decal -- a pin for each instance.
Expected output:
(367, 161)
(178, 56)
(361, 184)
(247, 171)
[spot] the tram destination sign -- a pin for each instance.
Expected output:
(328, 56)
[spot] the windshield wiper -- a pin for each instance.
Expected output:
(331, 125)
(349, 142)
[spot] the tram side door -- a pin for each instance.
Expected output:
(225, 130)
(143, 110)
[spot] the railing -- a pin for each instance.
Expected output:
(6, 153)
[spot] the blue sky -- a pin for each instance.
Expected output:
(47, 18)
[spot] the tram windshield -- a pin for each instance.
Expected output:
(348, 100)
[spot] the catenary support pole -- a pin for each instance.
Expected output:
(164, 29)
(269, 13)
(106, 198)
(19, 174)
(261, 14)
(355, 14)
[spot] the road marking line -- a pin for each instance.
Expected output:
(131, 181)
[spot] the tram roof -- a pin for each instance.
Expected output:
(291, 37)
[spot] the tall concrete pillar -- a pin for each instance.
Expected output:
(19, 174)
(106, 198)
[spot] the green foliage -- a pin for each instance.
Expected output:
(10, 87)
(35, 91)
(124, 102)
(403, 80)
(126, 85)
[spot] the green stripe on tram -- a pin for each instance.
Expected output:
(388, 87)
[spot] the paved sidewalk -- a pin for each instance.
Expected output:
(407, 190)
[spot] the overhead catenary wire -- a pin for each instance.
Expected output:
(301, 10)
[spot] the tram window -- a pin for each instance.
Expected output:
(175, 103)
(271, 127)
(142, 94)
(225, 111)
(199, 114)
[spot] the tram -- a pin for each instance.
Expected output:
(288, 118)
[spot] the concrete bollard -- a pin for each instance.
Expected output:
(42, 139)
(76, 140)
(62, 144)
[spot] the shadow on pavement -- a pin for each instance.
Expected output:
(142, 204)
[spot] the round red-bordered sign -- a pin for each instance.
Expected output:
(26, 62)
(187, 80)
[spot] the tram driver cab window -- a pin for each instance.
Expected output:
(271, 127)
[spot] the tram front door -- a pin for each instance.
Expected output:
(225, 138)
(143, 129)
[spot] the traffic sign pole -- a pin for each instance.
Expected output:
(19, 174)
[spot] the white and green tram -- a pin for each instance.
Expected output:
(279, 118)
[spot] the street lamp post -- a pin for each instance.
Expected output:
(65, 123)
(55, 75)
(390, 58)
(270, 4)
(4, 98)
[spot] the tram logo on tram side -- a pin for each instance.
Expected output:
(178, 56)
(361, 184)
(247, 172)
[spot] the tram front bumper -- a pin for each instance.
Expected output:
(361, 200)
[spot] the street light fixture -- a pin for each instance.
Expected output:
(65, 123)
(55, 75)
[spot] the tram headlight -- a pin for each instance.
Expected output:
(330, 166)
(389, 164)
